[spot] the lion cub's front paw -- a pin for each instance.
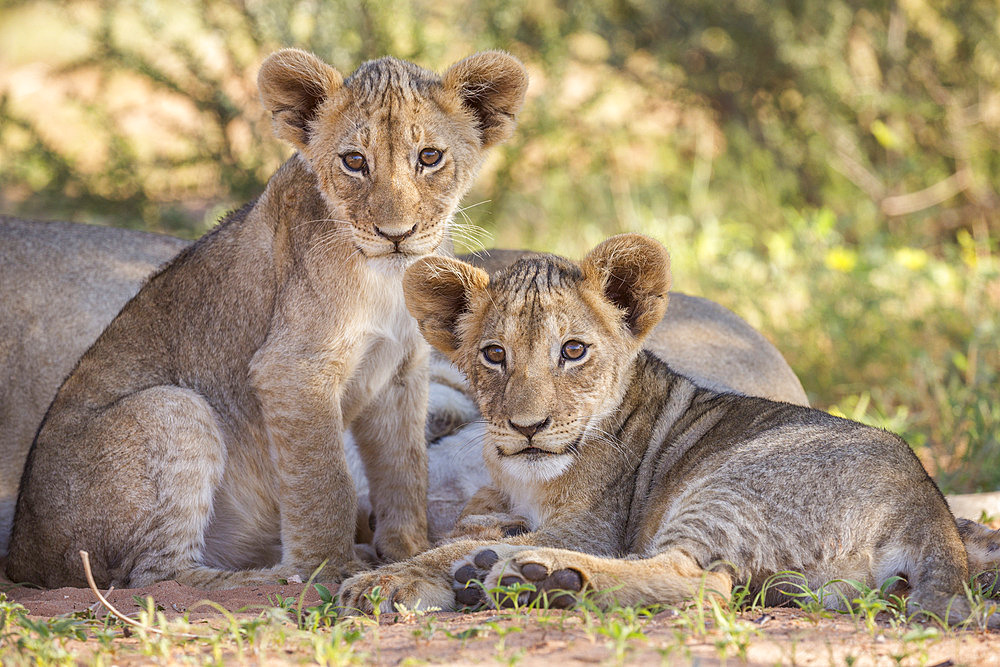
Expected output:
(395, 584)
(494, 526)
(477, 577)
(331, 572)
(394, 544)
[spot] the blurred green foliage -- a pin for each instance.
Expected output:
(825, 168)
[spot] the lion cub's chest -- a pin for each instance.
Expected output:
(386, 340)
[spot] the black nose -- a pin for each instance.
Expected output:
(531, 429)
(396, 238)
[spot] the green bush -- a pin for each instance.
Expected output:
(825, 168)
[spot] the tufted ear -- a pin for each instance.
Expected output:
(438, 291)
(491, 84)
(292, 85)
(633, 273)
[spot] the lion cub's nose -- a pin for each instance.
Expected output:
(396, 238)
(531, 429)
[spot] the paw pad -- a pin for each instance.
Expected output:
(558, 588)
(471, 596)
(566, 579)
(486, 559)
(534, 571)
(466, 573)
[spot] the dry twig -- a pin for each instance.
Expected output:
(114, 612)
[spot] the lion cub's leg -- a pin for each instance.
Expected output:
(562, 575)
(132, 485)
(939, 572)
(390, 438)
(983, 548)
(175, 438)
(175, 434)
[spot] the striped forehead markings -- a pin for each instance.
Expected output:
(387, 80)
(524, 286)
(382, 88)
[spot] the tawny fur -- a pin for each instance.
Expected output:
(200, 438)
(62, 283)
(643, 485)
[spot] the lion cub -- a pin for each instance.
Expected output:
(200, 437)
(641, 486)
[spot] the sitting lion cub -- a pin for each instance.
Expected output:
(200, 437)
(640, 486)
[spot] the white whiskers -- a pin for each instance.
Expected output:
(471, 235)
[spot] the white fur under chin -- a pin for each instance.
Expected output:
(523, 482)
(544, 469)
(393, 264)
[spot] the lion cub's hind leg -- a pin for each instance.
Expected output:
(157, 458)
(983, 548)
(185, 457)
(562, 576)
(166, 492)
(938, 572)
(132, 485)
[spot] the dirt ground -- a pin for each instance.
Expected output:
(770, 637)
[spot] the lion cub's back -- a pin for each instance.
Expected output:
(777, 487)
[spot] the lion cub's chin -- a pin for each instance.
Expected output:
(534, 467)
(395, 263)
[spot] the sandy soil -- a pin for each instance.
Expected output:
(777, 636)
(175, 599)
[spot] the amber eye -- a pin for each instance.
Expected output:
(573, 350)
(494, 354)
(430, 157)
(354, 161)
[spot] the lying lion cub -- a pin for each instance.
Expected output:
(201, 434)
(637, 484)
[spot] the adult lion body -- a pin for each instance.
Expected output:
(62, 283)
(641, 486)
(199, 438)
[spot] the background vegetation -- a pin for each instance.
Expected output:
(825, 168)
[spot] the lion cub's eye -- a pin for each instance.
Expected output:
(430, 157)
(573, 350)
(354, 161)
(494, 354)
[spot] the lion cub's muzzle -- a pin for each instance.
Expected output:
(395, 236)
(411, 242)
(537, 443)
(529, 430)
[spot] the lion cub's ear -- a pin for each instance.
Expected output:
(292, 85)
(438, 292)
(633, 273)
(491, 84)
